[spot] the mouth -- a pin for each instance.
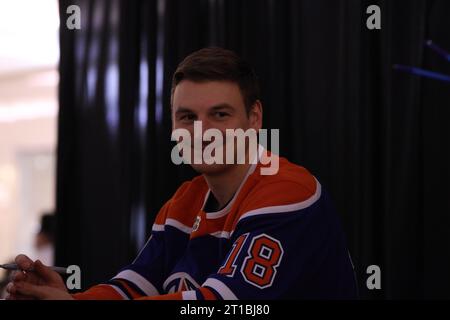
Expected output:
(201, 145)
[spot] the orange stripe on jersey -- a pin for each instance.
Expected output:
(172, 296)
(99, 292)
(176, 208)
(133, 293)
(161, 216)
(187, 202)
(207, 294)
(207, 226)
(291, 185)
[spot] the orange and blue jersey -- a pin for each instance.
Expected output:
(279, 237)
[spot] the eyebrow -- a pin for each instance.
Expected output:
(220, 106)
(181, 110)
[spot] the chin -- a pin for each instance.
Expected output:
(210, 169)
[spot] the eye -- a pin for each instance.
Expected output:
(221, 114)
(188, 117)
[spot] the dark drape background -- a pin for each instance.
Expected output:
(378, 140)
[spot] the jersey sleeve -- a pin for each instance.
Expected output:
(143, 277)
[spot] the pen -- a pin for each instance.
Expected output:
(13, 266)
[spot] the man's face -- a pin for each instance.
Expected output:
(219, 105)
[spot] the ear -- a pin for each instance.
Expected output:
(172, 116)
(255, 115)
(172, 119)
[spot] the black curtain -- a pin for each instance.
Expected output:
(377, 139)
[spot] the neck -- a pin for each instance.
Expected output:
(225, 184)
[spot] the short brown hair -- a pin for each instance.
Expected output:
(218, 64)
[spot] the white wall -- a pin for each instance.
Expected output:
(28, 109)
(28, 127)
(27, 180)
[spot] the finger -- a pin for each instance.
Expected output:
(31, 290)
(28, 276)
(18, 297)
(13, 294)
(46, 272)
(10, 288)
(13, 275)
(23, 262)
(19, 276)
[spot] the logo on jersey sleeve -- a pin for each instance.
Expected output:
(180, 281)
(259, 267)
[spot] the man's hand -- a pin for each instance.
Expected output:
(36, 281)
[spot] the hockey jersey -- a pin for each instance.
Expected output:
(279, 237)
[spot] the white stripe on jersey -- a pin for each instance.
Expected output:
(177, 224)
(221, 288)
(189, 295)
(221, 234)
(226, 210)
(142, 283)
(286, 208)
(158, 227)
(173, 223)
(119, 291)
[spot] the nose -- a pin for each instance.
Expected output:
(206, 124)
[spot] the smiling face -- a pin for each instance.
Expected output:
(219, 105)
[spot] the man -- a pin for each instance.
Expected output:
(232, 232)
